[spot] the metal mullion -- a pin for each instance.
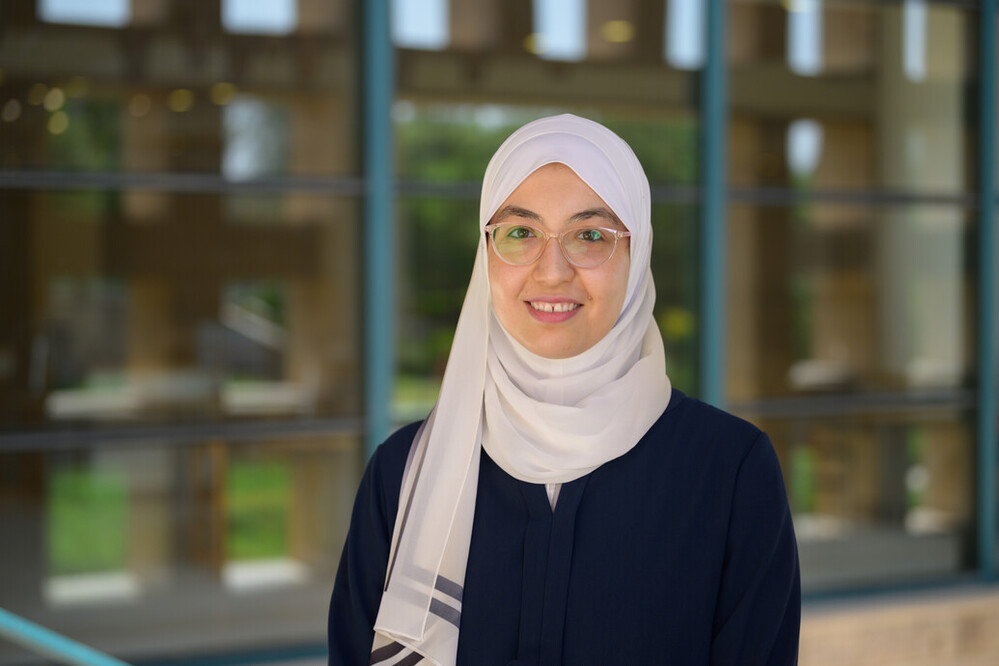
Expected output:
(172, 435)
(378, 76)
(987, 408)
(176, 182)
(713, 239)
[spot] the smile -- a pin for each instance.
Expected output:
(553, 307)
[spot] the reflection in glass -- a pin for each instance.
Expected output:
(226, 531)
(804, 36)
(914, 39)
(684, 43)
(890, 88)
(273, 17)
(179, 376)
(87, 539)
(877, 498)
(110, 13)
(420, 24)
(843, 299)
(559, 29)
(256, 139)
(198, 313)
(804, 148)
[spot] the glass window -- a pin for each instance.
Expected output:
(832, 297)
(883, 85)
(879, 496)
(196, 308)
(164, 547)
(114, 13)
(237, 105)
(179, 304)
(851, 272)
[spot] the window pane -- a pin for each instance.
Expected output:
(179, 303)
(850, 299)
(160, 307)
(173, 547)
(878, 497)
(674, 268)
(144, 97)
(437, 240)
(885, 85)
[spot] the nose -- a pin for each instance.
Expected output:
(552, 266)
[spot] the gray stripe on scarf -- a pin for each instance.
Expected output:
(414, 658)
(449, 587)
(442, 610)
(385, 652)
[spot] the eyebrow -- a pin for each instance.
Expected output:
(517, 211)
(600, 211)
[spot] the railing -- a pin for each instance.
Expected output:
(49, 644)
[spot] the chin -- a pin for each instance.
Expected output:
(555, 351)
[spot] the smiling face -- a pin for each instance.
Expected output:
(551, 307)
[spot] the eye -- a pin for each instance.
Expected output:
(591, 235)
(515, 232)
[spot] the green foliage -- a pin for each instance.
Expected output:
(801, 480)
(667, 148)
(258, 501)
(91, 142)
(451, 144)
(88, 516)
(265, 298)
(675, 273)
(87, 522)
(802, 294)
(915, 444)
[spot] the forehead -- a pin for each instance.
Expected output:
(542, 190)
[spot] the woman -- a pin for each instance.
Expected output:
(563, 504)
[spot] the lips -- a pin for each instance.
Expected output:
(544, 306)
(553, 312)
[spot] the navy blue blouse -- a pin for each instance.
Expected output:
(681, 551)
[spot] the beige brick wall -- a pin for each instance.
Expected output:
(951, 628)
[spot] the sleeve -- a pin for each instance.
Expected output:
(758, 614)
(357, 589)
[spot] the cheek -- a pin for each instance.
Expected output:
(617, 287)
(502, 285)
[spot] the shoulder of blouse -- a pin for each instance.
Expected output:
(383, 473)
(389, 458)
(707, 429)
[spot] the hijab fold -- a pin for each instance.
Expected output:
(541, 420)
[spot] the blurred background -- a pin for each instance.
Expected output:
(235, 237)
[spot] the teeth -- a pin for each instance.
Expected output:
(554, 307)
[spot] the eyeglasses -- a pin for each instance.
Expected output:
(586, 247)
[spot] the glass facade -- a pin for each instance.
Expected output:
(852, 288)
(183, 199)
(180, 384)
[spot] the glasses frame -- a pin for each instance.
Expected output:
(490, 230)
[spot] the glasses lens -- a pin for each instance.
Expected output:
(518, 243)
(588, 247)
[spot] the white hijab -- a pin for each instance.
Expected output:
(541, 420)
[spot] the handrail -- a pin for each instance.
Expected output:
(55, 646)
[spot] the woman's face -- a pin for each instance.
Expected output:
(551, 307)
